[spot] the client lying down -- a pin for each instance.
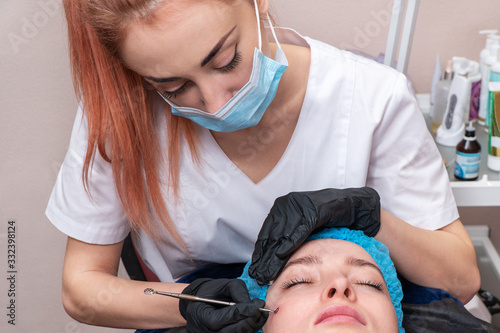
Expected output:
(338, 281)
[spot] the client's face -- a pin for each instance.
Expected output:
(330, 285)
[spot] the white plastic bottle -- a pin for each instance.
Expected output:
(495, 71)
(490, 40)
(485, 79)
(451, 130)
(440, 97)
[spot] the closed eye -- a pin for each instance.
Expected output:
(294, 282)
(233, 63)
(225, 69)
(375, 285)
(176, 93)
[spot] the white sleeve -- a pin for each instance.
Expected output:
(406, 166)
(99, 219)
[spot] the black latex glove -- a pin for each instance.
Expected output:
(244, 317)
(296, 215)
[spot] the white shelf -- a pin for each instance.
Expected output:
(482, 192)
(477, 193)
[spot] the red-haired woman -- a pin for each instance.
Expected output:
(194, 118)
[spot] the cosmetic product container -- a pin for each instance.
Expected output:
(487, 61)
(451, 130)
(468, 156)
(494, 117)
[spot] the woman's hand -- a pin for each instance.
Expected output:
(296, 215)
(244, 316)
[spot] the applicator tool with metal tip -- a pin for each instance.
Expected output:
(149, 291)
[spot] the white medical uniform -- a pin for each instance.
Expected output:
(358, 126)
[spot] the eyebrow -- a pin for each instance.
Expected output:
(311, 260)
(162, 80)
(357, 262)
(308, 261)
(205, 61)
(217, 47)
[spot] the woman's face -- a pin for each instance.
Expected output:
(197, 53)
(330, 285)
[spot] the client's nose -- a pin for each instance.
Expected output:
(334, 292)
(340, 288)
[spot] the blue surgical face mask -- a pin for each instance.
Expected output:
(246, 108)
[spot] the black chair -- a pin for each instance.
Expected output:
(131, 260)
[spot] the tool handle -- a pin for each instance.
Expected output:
(194, 298)
(207, 300)
(202, 299)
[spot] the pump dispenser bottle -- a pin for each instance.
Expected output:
(468, 156)
(490, 40)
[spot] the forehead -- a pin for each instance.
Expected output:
(332, 249)
(170, 14)
(179, 28)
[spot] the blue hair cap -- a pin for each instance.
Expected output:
(378, 251)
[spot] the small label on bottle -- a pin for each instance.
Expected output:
(474, 100)
(494, 130)
(467, 165)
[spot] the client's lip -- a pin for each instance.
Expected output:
(341, 314)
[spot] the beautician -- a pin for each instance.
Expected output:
(194, 118)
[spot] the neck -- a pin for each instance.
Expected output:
(293, 84)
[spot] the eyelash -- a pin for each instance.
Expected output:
(226, 69)
(174, 94)
(293, 282)
(372, 284)
(233, 64)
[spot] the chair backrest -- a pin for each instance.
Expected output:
(135, 267)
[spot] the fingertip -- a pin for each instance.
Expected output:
(252, 271)
(259, 302)
(285, 248)
(262, 281)
(266, 276)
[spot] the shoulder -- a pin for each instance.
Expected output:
(353, 82)
(331, 66)
(347, 65)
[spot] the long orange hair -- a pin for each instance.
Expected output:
(117, 107)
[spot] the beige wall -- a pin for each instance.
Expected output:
(446, 27)
(37, 109)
